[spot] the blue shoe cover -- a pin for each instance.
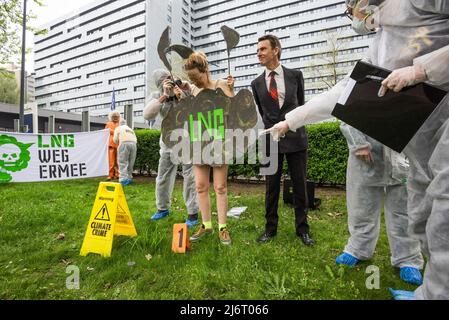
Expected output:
(402, 295)
(191, 223)
(347, 259)
(160, 214)
(411, 275)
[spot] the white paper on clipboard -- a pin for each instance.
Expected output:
(347, 92)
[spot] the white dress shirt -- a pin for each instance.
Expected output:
(280, 82)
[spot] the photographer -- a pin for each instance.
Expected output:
(163, 102)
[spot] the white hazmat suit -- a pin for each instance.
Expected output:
(413, 32)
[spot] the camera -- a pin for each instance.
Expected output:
(176, 82)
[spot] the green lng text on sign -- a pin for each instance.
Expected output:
(56, 141)
(212, 122)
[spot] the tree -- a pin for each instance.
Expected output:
(325, 66)
(11, 14)
(9, 91)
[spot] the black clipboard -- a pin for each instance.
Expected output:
(392, 119)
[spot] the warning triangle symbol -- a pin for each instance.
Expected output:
(120, 210)
(103, 214)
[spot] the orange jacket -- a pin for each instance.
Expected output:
(111, 126)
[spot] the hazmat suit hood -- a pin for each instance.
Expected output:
(159, 75)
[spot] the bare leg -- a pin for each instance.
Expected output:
(221, 191)
(202, 188)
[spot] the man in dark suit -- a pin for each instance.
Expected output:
(277, 91)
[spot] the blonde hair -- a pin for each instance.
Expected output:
(114, 115)
(197, 60)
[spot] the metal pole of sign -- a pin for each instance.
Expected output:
(85, 121)
(16, 125)
(51, 124)
(22, 72)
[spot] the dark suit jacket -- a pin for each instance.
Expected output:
(272, 114)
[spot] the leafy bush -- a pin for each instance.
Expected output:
(328, 153)
(147, 159)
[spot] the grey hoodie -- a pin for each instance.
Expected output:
(154, 106)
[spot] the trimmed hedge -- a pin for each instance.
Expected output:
(328, 153)
(147, 159)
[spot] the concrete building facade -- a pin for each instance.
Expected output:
(316, 38)
(102, 49)
(111, 45)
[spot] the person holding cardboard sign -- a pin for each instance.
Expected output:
(197, 68)
(112, 124)
(162, 103)
(126, 139)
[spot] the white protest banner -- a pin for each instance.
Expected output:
(47, 157)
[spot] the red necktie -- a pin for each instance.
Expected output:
(273, 87)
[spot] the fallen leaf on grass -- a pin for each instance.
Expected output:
(90, 269)
(66, 261)
(337, 214)
(149, 257)
(334, 214)
(60, 236)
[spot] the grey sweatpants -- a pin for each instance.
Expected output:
(126, 157)
(165, 182)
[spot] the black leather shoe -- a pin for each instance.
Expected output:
(265, 237)
(306, 239)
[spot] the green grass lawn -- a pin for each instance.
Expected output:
(33, 261)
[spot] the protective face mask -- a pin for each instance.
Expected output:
(359, 26)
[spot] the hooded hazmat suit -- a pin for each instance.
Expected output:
(166, 175)
(413, 32)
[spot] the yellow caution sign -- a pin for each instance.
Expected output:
(110, 216)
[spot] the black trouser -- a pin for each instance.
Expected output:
(297, 163)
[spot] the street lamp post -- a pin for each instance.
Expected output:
(22, 73)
